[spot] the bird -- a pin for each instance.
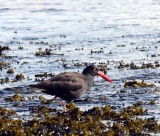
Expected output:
(70, 86)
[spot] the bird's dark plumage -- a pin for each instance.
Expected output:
(70, 85)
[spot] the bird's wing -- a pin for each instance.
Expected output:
(64, 83)
(67, 76)
(61, 86)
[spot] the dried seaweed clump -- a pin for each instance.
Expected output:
(5, 112)
(43, 53)
(3, 65)
(93, 122)
(3, 48)
(10, 71)
(5, 80)
(103, 67)
(135, 83)
(132, 65)
(15, 97)
(19, 76)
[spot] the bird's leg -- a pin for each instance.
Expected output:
(65, 108)
(61, 103)
(58, 101)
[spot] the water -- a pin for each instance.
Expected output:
(65, 26)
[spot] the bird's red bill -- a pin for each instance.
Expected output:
(104, 77)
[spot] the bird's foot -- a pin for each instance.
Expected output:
(65, 109)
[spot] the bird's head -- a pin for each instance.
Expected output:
(93, 71)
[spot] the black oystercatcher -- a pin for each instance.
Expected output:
(70, 85)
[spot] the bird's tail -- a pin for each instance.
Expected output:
(35, 88)
(41, 85)
(33, 85)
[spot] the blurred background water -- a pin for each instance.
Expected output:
(67, 27)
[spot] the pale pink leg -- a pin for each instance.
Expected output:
(60, 102)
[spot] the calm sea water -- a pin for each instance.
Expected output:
(92, 25)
